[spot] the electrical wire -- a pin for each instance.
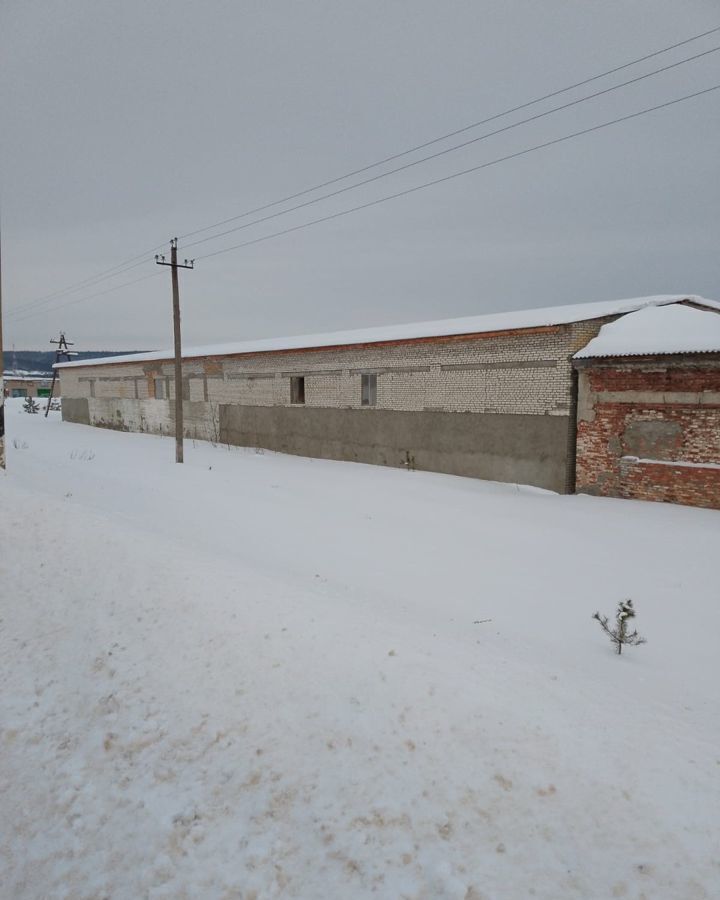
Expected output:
(447, 150)
(446, 178)
(119, 269)
(407, 191)
(116, 287)
(49, 298)
(139, 259)
(451, 134)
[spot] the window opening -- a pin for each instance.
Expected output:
(297, 389)
(368, 390)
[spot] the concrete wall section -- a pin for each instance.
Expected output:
(516, 448)
(499, 447)
(496, 406)
(154, 416)
(75, 409)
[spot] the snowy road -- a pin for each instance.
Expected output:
(260, 676)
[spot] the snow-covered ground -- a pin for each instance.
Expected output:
(261, 676)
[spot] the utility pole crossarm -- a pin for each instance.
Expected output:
(185, 264)
(174, 266)
(63, 350)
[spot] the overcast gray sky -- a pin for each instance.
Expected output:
(123, 124)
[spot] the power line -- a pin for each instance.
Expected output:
(126, 265)
(139, 259)
(408, 191)
(101, 276)
(91, 282)
(451, 134)
(445, 178)
(452, 149)
(116, 287)
(119, 269)
(405, 192)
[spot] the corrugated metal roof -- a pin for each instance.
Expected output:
(657, 330)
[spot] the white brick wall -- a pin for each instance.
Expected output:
(523, 373)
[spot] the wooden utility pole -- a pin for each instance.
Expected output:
(2, 382)
(174, 266)
(63, 350)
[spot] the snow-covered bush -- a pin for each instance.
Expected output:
(30, 406)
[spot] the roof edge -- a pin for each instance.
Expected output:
(488, 323)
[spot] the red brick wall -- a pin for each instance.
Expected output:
(693, 486)
(636, 419)
(654, 378)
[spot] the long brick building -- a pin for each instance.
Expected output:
(491, 396)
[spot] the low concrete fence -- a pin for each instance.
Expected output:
(525, 449)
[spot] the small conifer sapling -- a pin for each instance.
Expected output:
(30, 406)
(620, 635)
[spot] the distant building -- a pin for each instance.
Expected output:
(491, 396)
(26, 385)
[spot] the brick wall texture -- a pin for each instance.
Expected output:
(496, 406)
(650, 429)
(525, 372)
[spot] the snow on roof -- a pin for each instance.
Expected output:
(528, 318)
(26, 376)
(657, 329)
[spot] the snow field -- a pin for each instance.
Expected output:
(261, 676)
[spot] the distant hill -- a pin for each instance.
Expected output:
(41, 361)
